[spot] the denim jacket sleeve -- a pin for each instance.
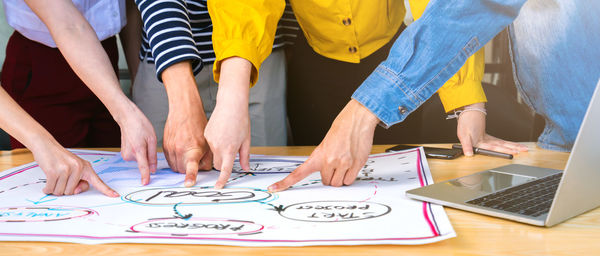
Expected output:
(429, 52)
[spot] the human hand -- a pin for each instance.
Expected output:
(184, 144)
(228, 131)
(471, 133)
(138, 141)
(342, 153)
(185, 147)
(66, 173)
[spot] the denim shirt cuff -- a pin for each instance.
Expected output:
(386, 96)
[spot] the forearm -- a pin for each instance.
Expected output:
(16, 122)
(182, 92)
(80, 46)
(234, 87)
(429, 52)
(131, 38)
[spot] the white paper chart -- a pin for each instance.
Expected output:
(374, 210)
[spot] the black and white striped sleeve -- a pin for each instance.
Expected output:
(167, 25)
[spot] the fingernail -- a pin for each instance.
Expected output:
(188, 183)
(115, 194)
(77, 191)
(468, 154)
(272, 188)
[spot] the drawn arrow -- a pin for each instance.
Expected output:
(179, 215)
(41, 200)
(278, 209)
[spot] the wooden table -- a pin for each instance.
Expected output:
(477, 234)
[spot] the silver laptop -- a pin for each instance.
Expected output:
(533, 195)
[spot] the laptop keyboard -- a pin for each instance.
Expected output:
(533, 198)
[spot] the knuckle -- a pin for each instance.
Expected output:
(349, 181)
(138, 149)
(62, 168)
(330, 160)
(345, 161)
(179, 149)
(350, 178)
(52, 174)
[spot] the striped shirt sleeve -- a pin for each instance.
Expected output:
(169, 34)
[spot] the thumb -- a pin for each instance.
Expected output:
(82, 186)
(467, 145)
(191, 160)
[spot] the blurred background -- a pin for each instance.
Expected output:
(508, 117)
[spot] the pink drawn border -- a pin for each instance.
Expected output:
(425, 214)
(35, 165)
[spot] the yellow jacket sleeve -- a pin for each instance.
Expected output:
(464, 88)
(244, 28)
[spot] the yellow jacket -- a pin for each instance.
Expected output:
(344, 30)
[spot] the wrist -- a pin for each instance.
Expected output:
(477, 107)
(119, 107)
(363, 114)
(40, 141)
(234, 85)
(182, 91)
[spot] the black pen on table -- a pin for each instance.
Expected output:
(485, 152)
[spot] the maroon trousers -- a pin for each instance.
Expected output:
(41, 81)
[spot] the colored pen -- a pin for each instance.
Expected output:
(486, 152)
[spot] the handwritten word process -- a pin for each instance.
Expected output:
(373, 210)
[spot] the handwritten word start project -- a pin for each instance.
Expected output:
(374, 210)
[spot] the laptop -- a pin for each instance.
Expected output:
(528, 194)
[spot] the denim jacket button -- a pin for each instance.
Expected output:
(402, 110)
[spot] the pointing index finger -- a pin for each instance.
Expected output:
(226, 167)
(96, 182)
(142, 160)
(297, 175)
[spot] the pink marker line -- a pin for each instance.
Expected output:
(425, 214)
(35, 165)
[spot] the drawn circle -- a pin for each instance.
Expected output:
(42, 213)
(334, 211)
(196, 227)
(196, 195)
